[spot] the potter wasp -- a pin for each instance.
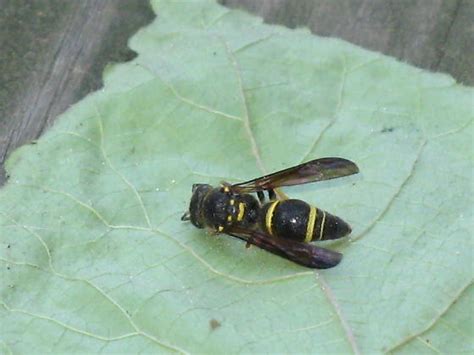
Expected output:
(282, 226)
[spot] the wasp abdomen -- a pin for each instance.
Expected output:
(286, 219)
(297, 220)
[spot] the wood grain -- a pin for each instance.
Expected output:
(55, 52)
(437, 35)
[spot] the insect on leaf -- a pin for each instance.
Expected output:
(93, 253)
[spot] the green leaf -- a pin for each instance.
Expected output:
(94, 256)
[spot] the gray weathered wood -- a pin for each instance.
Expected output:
(437, 35)
(53, 53)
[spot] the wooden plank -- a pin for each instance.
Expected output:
(432, 34)
(53, 54)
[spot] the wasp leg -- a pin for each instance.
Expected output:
(261, 196)
(213, 232)
(186, 216)
(271, 195)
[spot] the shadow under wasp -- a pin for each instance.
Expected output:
(284, 227)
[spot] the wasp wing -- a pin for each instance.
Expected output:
(311, 171)
(304, 254)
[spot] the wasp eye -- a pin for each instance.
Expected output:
(195, 186)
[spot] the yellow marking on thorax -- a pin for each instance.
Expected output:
(269, 217)
(232, 201)
(226, 189)
(229, 218)
(321, 231)
(240, 216)
(313, 214)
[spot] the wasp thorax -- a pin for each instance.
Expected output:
(218, 209)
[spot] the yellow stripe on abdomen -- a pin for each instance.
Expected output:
(321, 231)
(240, 216)
(269, 217)
(313, 213)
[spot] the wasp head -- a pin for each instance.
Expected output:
(195, 212)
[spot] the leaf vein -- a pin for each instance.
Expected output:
(245, 105)
(189, 101)
(432, 323)
(335, 115)
(124, 179)
(393, 198)
(231, 277)
(345, 325)
(67, 326)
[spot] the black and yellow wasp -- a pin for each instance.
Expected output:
(284, 227)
